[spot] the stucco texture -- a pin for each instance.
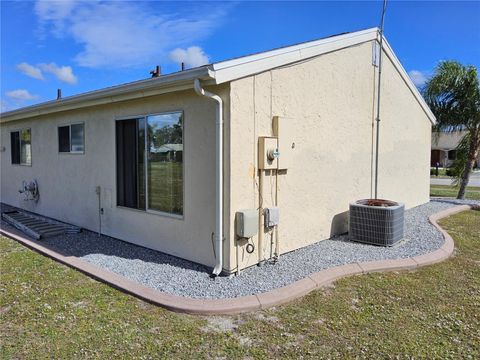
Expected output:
(67, 182)
(328, 103)
(328, 108)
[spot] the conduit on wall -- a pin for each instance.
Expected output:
(218, 176)
(377, 140)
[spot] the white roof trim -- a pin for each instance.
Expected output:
(154, 86)
(403, 73)
(229, 70)
(219, 73)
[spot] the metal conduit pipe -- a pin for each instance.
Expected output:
(218, 176)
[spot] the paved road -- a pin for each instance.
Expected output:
(474, 180)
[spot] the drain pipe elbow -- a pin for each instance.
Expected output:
(218, 175)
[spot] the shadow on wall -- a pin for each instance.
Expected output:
(339, 224)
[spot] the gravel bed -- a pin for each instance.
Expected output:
(181, 277)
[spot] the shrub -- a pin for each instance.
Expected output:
(453, 172)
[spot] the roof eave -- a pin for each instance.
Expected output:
(219, 73)
(139, 89)
(229, 70)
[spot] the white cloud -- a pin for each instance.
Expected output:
(63, 73)
(21, 95)
(191, 57)
(419, 78)
(30, 70)
(54, 13)
(124, 34)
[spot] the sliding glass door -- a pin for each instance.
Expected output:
(150, 163)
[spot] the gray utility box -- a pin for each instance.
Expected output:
(272, 216)
(379, 225)
(246, 223)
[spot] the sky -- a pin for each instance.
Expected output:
(80, 46)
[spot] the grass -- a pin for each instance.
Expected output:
(472, 193)
(165, 188)
(50, 311)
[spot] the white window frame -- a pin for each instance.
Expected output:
(144, 117)
(70, 138)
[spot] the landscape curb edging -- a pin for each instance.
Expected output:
(259, 301)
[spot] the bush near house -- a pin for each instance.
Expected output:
(445, 172)
(441, 171)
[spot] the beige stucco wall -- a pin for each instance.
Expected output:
(67, 181)
(329, 101)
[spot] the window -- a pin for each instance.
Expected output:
(130, 142)
(452, 155)
(150, 163)
(21, 147)
(71, 139)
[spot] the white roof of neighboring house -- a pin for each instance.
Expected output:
(446, 140)
(166, 148)
(218, 73)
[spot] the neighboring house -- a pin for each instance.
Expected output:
(168, 152)
(444, 146)
(314, 102)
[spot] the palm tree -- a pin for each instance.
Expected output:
(453, 94)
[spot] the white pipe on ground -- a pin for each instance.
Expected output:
(218, 176)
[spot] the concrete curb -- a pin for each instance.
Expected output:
(259, 301)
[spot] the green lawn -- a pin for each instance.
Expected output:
(472, 192)
(165, 190)
(50, 311)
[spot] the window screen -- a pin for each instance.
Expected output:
(15, 147)
(71, 138)
(130, 143)
(64, 139)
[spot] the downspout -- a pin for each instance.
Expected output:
(218, 176)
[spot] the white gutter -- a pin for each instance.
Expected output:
(181, 80)
(218, 176)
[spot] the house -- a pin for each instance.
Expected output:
(167, 152)
(290, 130)
(444, 145)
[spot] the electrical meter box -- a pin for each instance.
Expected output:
(272, 216)
(246, 223)
(284, 130)
(268, 153)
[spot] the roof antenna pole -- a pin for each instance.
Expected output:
(378, 97)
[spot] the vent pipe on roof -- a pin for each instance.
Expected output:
(59, 94)
(183, 66)
(156, 73)
(377, 141)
